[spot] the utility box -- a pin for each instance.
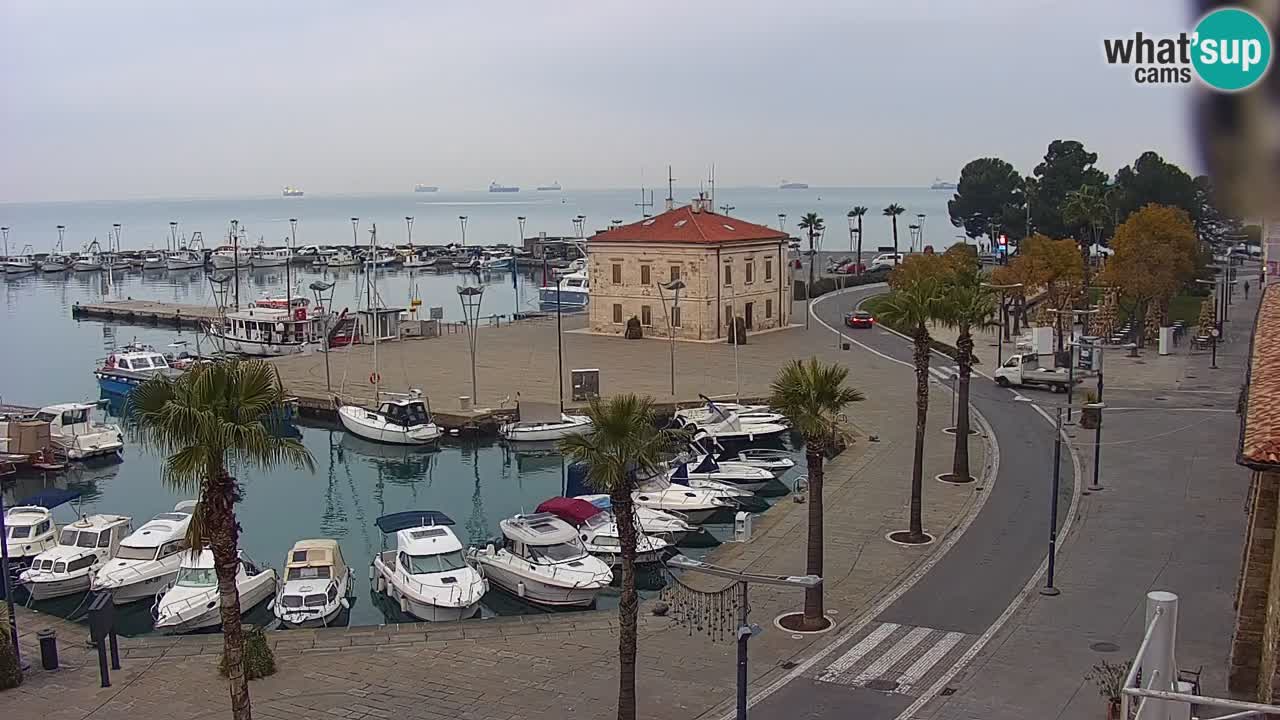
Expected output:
(742, 526)
(1166, 340)
(1089, 354)
(585, 384)
(1042, 340)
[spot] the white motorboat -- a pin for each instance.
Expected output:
(541, 560)
(428, 573)
(268, 257)
(401, 419)
(696, 505)
(571, 291)
(88, 261)
(115, 262)
(339, 259)
(148, 559)
(269, 327)
(73, 430)
(191, 602)
(317, 587)
(230, 256)
(669, 526)
(598, 530)
(31, 531)
(534, 431)
(728, 427)
(184, 259)
(577, 266)
(130, 366)
(497, 260)
(415, 261)
(56, 263)
(733, 475)
(715, 411)
(773, 460)
(383, 258)
(19, 264)
(155, 261)
(83, 547)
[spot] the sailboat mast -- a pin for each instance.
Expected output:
(559, 347)
(373, 312)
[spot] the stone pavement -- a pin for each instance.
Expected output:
(563, 665)
(1171, 517)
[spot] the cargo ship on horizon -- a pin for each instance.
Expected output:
(291, 191)
(424, 188)
(793, 186)
(495, 187)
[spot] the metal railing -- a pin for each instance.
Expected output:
(1152, 691)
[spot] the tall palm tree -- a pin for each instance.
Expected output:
(1086, 208)
(914, 307)
(967, 305)
(892, 212)
(811, 222)
(624, 443)
(213, 417)
(857, 212)
(812, 396)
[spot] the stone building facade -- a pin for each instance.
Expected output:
(729, 268)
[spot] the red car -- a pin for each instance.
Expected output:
(859, 319)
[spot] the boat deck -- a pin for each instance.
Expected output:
(145, 312)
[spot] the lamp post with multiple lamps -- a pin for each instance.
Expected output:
(462, 220)
(408, 226)
(1003, 313)
(920, 229)
(675, 286)
(470, 296)
(580, 225)
(325, 305)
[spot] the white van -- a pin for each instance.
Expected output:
(886, 260)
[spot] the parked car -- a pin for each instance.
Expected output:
(1024, 370)
(859, 319)
(886, 260)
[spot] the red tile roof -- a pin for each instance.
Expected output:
(1260, 435)
(683, 225)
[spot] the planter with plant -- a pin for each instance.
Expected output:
(1109, 677)
(1090, 418)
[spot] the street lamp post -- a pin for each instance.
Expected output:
(782, 221)
(318, 289)
(172, 244)
(288, 279)
(1049, 588)
(1097, 404)
(580, 225)
(675, 286)
(1003, 313)
(408, 226)
(470, 296)
(5, 230)
(914, 230)
(920, 230)
(462, 220)
(515, 269)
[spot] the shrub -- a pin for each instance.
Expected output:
(259, 661)
(10, 673)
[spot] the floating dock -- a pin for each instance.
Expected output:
(145, 312)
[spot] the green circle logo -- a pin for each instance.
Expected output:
(1232, 49)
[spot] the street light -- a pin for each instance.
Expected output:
(1003, 312)
(5, 230)
(114, 226)
(408, 224)
(462, 220)
(579, 225)
(920, 225)
(915, 236)
(724, 209)
(782, 222)
(318, 289)
(470, 296)
(1049, 588)
(173, 234)
(675, 286)
(1097, 430)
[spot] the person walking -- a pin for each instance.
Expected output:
(1246, 289)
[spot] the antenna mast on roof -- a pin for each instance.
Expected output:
(646, 202)
(711, 182)
(670, 189)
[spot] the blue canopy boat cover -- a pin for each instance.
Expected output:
(50, 498)
(708, 465)
(411, 519)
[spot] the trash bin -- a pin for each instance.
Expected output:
(48, 649)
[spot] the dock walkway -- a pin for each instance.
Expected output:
(145, 312)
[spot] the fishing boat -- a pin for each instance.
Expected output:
(540, 559)
(230, 256)
(268, 327)
(401, 419)
(155, 261)
(148, 559)
(191, 601)
(541, 431)
(414, 261)
(497, 260)
(339, 259)
(90, 260)
(184, 259)
(669, 526)
(429, 574)
(570, 291)
(83, 547)
(317, 585)
(269, 257)
(598, 530)
(20, 264)
(130, 366)
(73, 431)
(56, 263)
(31, 531)
(115, 261)
(383, 258)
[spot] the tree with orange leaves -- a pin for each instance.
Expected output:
(1153, 255)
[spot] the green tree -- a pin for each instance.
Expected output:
(965, 306)
(858, 212)
(1087, 208)
(624, 443)
(989, 195)
(892, 212)
(914, 307)
(213, 417)
(1153, 255)
(812, 395)
(1150, 179)
(1066, 167)
(811, 223)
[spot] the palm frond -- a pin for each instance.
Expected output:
(623, 443)
(812, 395)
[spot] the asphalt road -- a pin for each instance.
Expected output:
(973, 584)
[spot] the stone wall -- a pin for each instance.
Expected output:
(1257, 626)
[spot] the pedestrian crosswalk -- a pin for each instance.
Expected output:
(944, 374)
(896, 658)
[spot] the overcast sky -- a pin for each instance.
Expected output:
(105, 100)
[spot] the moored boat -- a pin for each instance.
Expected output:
(31, 531)
(191, 601)
(269, 327)
(130, 366)
(540, 559)
(401, 419)
(598, 530)
(317, 586)
(428, 573)
(148, 559)
(542, 431)
(68, 568)
(20, 264)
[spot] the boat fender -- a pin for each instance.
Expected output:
(404, 604)
(345, 603)
(372, 572)
(520, 588)
(374, 378)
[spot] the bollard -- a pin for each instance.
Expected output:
(48, 649)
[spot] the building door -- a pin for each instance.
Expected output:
(748, 314)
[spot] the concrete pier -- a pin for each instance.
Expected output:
(145, 312)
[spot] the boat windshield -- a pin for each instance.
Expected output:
(560, 552)
(19, 531)
(444, 562)
(197, 577)
(601, 518)
(136, 553)
(308, 573)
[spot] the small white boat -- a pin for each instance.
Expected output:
(73, 430)
(340, 259)
(541, 560)
(535, 431)
(384, 258)
(571, 291)
(696, 505)
(714, 412)
(598, 530)
(775, 461)
(56, 263)
(317, 585)
(184, 259)
(191, 602)
(428, 573)
(19, 264)
(401, 419)
(268, 257)
(31, 531)
(155, 261)
(148, 559)
(415, 261)
(230, 256)
(114, 262)
(669, 526)
(89, 261)
(497, 260)
(733, 475)
(728, 427)
(68, 568)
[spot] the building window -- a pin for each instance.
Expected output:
(675, 273)
(728, 275)
(748, 313)
(617, 311)
(768, 270)
(644, 275)
(768, 306)
(617, 273)
(675, 316)
(646, 316)
(750, 275)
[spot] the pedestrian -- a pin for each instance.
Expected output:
(1246, 289)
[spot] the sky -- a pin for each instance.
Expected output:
(116, 100)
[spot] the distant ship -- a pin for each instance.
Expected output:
(291, 191)
(553, 186)
(424, 188)
(940, 184)
(495, 187)
(793, 186)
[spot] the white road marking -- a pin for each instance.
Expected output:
(855, 653)
(920, 667)
(892, 655)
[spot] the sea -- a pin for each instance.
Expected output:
(50, 358)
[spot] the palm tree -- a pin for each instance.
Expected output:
(624, 443)
(857, 212)
(213, 417)
(892, 212)
(966, 306)
(1086, 207)
(812, 222)
(914, 307)
(812, 396)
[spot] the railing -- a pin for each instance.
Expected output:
(1151, 689)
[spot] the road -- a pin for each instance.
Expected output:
(891, 665)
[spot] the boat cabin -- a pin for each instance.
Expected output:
(424, 542)
(84, 544)
(405, 413)
(384, 322)
(137, 358)
(30, 530)
(164, 535)
(311, 573)
(542, 538)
